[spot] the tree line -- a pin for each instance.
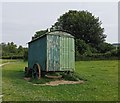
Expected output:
(11, 51)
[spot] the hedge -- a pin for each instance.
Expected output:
(96, 57)
(12, 57)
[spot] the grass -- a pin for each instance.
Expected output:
(41, 81)
(101, 84)
(69, 77)
(72, 76)
(6, 60)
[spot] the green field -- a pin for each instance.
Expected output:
(6, 61)
(101, 84)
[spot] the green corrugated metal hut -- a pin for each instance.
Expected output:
(53, 51)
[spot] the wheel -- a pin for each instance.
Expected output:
(36, 73)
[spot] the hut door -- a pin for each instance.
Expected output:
(53, 53)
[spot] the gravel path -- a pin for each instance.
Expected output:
(4, 64)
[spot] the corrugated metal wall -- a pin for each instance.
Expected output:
(66, 54)
(37, 53)
(53, 52)
(60, 53)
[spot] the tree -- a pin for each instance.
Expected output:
(39, 33)
(82, 25)
(3, 49)
(20, 50)
(105, 47)
(82, 47)
(12, 48)
(25, 56)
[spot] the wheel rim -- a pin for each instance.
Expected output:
(36, 71)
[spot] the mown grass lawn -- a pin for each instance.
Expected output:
(7, 60)
(101, 84)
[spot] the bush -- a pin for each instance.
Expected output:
(72, 76)
(111, 55)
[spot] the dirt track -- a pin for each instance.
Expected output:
(58, 82)
(4, 64)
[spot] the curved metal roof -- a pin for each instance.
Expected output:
(57, 32)
(60, 33)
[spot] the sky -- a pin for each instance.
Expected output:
(20, 20)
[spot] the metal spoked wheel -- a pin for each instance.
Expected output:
(36, 73)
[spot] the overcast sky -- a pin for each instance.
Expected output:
(21, 20)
